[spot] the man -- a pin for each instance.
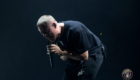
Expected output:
(76, 44)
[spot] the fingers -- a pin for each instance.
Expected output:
(48, 51)
(51, 48)
(52, 51)
(52, 45)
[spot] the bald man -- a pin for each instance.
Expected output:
(76, 44)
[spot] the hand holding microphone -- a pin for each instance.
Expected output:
(50, 54)
(53, 49)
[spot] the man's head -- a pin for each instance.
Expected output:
(48, 27)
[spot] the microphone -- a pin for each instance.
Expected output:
(50, 55)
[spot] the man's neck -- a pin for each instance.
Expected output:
(61, 28)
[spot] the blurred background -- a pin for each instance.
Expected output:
(23, 49)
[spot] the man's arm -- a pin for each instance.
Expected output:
(74, 55)
(64, 58)
(70, 54)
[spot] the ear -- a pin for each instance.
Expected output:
(54, 25)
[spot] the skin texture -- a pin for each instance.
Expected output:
(51, 30)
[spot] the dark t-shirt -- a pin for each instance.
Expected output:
(77, 37)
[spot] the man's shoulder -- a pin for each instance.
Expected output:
(72, 22)
(73, 25)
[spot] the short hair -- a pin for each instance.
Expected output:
(45, 19)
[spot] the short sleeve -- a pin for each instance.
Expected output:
(78, 41)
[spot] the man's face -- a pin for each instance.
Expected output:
(48, 31)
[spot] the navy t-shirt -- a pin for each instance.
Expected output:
(77, 37)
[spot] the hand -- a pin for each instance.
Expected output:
(54, 49)
(64, 58)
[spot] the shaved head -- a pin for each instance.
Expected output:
(48, 27)
(45, 19)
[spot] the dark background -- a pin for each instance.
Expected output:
(23, 49)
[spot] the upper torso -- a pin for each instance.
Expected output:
(79, 38)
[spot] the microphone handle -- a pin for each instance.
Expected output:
(51, 56)
(51, 59)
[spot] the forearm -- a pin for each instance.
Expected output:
(72, 55)
(68, 54)
(64, 58)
